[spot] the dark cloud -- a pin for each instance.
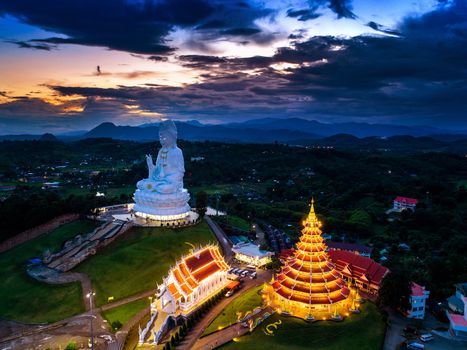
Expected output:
(303, 15)
(134, 26)
(380, 28)
(158, 58)
(343, 8)
(30, 45)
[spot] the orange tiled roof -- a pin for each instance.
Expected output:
(195, 268)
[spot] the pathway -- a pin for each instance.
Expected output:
(221, 237)
(396, 324)
(225, 335)
(194, 334)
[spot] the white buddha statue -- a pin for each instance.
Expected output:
(166, 176)
(162, 194)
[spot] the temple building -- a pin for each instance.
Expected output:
(251, 254)
(308, 285)
(193, 279)
(359, 271)
(191, 282)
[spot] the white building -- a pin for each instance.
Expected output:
(251, 254)
(418, 301)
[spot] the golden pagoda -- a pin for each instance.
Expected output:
(308, 285)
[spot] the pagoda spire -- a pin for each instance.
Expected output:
(312, 219)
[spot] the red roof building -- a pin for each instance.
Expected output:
(403, 203)
(360, 271)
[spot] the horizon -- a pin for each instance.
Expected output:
(333, 61)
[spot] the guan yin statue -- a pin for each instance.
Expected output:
(161, 195)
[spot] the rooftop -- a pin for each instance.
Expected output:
(250, 249)
(418, 290)
(406, 200)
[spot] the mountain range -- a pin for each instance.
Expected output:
(293, 131)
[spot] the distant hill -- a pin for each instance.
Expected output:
(48, 137)
(193, 132)
(324, 129)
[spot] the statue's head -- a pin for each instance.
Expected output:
(168, 133)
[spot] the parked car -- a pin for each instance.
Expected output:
(426, 337)
(415, 346)
(234, 270)
(229, 293)
(244, 273)
(253, 275)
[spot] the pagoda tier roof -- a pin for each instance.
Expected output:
(311, 247)
(195, 268)
(307, 267)
(310, 298)
(305, 287)
(306, 256)
(307, 277)
(357, 266)
(311, 239)
(310, 268)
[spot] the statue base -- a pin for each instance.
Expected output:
(162, 209)
(162, 205)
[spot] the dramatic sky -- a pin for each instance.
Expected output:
(70, 65)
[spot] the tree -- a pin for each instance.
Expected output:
(201, 203)
(395, 290)
(71, 346)
(116, 325)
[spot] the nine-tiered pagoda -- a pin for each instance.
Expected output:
(309, 286)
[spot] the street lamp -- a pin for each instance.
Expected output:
(90, 295)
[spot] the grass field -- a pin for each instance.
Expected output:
(246, 302)
(125, 312)
(236, 221)
(139, 259)
(26, 300)
(359, 332)
(109, 192)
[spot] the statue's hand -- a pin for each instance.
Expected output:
(149, 160)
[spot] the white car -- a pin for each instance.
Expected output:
(426, 337)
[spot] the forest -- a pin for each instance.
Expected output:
(353, 189)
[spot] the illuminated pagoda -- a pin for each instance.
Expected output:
(309, 286)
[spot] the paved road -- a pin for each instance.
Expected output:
(221, 237)
(194, 334)
(127, 300)
(225, 335)
(396, 323)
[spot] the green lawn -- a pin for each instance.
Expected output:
(236, 221)
(359, 332)
(125, 312)
(109, 192)
(26, 300)
(139, 259)
(246, 302)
